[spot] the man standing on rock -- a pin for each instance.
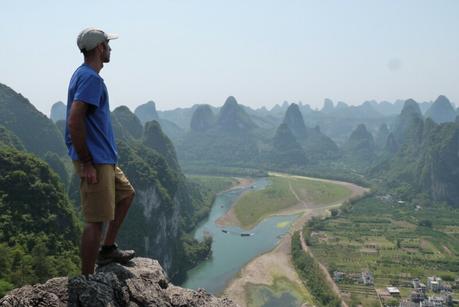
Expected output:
(105, 192)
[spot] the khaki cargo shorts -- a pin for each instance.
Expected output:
(98, 200)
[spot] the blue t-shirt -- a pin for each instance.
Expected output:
(87, 86)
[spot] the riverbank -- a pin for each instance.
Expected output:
(241, 182)
(264, 269)
(296, 200)
(230, 250)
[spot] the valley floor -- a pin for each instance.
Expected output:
(395, 242)
(269, 267)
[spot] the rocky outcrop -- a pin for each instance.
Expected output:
(381, 136)
(295, 122)
(286, 152)
(328, 106)
(437, 166)
(155, 139)
(202, 119)
(316, 144)
(37, 132)
(341, 105)
(360, 145)
(408, 125)
(280, 108)
(126, 123)
(146, 112)
(58, 111)
(142, 282)
(233, 119)
(441, 111)
(391, 145)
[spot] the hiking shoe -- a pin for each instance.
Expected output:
(112, 253)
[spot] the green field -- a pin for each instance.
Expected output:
(390, 241)
(253, 206)
(319, 193)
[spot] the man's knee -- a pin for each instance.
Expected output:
(128, 197)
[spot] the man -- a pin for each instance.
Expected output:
(106, 193)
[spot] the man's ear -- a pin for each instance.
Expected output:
(101, 48)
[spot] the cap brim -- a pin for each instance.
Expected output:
(112, 36)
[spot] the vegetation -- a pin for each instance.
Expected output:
(39, 230)
(312, 275)
(153, 176)
(360, 148)
(416, 162)
(395, 242)
(283, 193)
(203, 191)
(425, 160)
(180, 204)
(127, 124)
(230, 141)
(37, 133)
(286, 151)
(212, 184)
(214, 169)
(8, 138)
(57, 165)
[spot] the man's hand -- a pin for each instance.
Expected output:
(77, 130)
(89, 173)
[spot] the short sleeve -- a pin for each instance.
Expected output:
(89, 90)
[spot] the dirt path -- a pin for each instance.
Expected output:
(330, 280)
(300, 201)
(356, 190)
(277, 263)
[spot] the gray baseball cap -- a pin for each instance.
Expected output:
(89, 38)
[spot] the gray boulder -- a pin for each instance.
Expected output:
(142, 282)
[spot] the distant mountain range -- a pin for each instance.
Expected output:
(235, 135)
(176, 123)
(421, 156)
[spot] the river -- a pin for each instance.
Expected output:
(230, 250)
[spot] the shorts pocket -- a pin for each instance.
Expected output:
(105, 180)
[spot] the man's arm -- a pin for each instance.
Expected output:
(77, 129)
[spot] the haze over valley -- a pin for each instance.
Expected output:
(286, 177)
(282, 153)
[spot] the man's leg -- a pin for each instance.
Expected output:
(121, 209)
(90, 242)
(124, 195)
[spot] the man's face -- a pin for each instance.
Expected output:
(105, 52)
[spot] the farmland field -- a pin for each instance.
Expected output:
(395, 242)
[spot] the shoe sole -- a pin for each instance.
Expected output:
(104, 262)
(108, 261)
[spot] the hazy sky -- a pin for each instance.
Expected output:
(182, 52)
